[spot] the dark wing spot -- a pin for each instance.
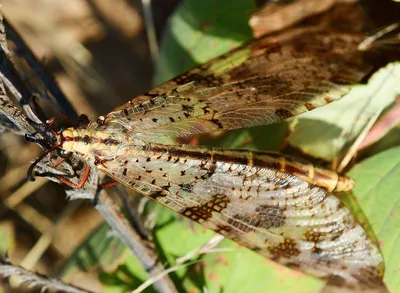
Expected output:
(270, 216)
(158, 194)
(223, 229)
(309, 106)
(218, 123)
(265, 217)
(287, 248)
(313, 236)
(316, 250)
(283, 113)
(186, 187)
(187, 109)
(293, 265)
(204, 212)
(207, 109)
(336, 281)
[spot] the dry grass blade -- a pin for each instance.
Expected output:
(150, 29)
(12, 178)
(208, 247)
(45, 240)
(356, 144)
(134, 242)
(24, 191)
(278, 15)
(154, 279)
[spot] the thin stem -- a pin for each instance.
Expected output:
(148, 258)
(150, 30)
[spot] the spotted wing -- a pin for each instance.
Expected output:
(258, 84)
(245, 198)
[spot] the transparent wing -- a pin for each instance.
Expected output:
(272, 212)
(258, 84)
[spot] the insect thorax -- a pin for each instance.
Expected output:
(89, 143)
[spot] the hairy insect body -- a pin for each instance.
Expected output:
(96, 146)
(90, 144)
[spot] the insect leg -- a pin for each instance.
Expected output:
(57, 163)
(81, 181)
(100, 188)
(108, 184)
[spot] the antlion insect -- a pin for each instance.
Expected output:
(279, 206)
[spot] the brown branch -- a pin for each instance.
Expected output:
(14, 87)
(35, 279)
(9, 110)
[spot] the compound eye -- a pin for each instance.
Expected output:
(63, 153)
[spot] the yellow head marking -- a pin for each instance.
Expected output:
(67, 145)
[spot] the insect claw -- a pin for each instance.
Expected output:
(31, 167)
(29, 173)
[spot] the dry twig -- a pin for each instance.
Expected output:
(21, 276)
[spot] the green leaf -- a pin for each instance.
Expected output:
(99, 252)
(199, 31)
(377, 193)
(324, 132)
(128, 276)
(392, 138)
(259, 138)
(237, 270)
(243, 270)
